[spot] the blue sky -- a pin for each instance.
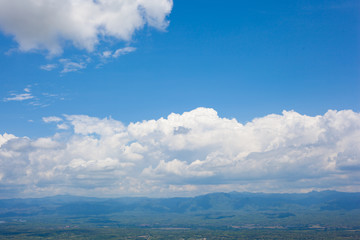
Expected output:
(245, 59)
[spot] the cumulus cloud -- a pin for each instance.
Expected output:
(194, 152)
(5, 137)
(50, 24)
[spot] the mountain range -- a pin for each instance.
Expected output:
(225, 202)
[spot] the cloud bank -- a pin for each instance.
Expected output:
(185, 154)
(51, 24)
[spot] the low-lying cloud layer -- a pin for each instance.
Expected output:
(51, 24)
(185, 154)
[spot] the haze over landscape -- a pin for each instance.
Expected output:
(164, 99)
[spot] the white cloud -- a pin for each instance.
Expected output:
(106, 54)
(48, 24)
(123, 51)
(194, 152)
(62, 126)
(119, 52)
(31, 99)
(5, 137)
(19, 97)
(51, 119)
(48, 67)
(71, 66)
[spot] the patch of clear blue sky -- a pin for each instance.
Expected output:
(245, 59)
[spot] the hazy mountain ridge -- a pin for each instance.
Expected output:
(73, 205)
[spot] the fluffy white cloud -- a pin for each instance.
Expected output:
(5, 137)
(47, 24)
(192, 153)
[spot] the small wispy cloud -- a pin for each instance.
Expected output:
(51, 119)
(36, 100)
(80, 62)
(20, 96)
(72, 66)
(123, 51)
(50, 95)
(106, 54)
(48, 67)
(11, 51)
(62, 126)
(119, 52)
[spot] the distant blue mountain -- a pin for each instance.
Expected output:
(233, 201)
